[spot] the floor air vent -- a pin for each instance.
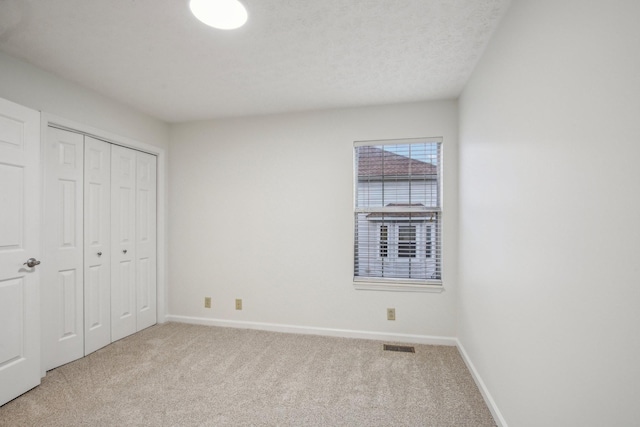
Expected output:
(401, 348)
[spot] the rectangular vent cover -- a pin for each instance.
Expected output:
(402, 348)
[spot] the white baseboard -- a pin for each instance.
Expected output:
(344, 333)
(497, 415)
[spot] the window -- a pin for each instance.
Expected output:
(407, 241)
(398, 211)
(384, 241)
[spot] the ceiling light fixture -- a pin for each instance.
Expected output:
(221, 14)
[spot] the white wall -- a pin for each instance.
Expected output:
(550, 225)
(35, 88)
(262, 209)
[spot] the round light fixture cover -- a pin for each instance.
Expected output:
(221, 14)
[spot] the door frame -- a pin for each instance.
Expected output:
(47, 119)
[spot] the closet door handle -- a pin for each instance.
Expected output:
(99, 253)
(124, 251)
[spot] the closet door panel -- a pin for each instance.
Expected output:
(62, 287)
(146, 240)
(97, 244)
(123, 242)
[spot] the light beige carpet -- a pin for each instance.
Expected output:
(188, 375)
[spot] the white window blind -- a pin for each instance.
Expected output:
(398, 211)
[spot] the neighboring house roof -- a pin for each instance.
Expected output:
(373, 161)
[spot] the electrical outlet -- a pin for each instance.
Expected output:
(238, 304)
(207, 302)
(391, 314)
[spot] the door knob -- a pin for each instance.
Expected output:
(124, 251)
(31, 262)
(99, 253)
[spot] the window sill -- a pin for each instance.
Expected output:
(396, 287)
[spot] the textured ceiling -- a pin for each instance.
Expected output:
(291, 55)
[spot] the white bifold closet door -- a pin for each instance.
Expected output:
(97, 242)
(100, 245)
(146, 243)
(62, 263)
(123, 219)
(133, 241)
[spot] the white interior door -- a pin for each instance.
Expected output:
(19, 241)
(123, 242)
(97, 247)
(145, 240)
(63, 290)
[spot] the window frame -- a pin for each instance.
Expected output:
(433, 245)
